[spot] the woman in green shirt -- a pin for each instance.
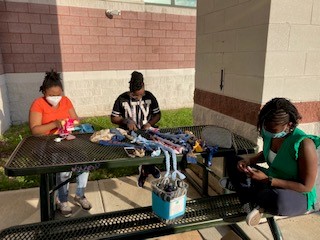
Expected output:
(287, 186)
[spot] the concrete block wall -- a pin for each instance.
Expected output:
(231, 37)
(293, 59)
(266, 49)
(96, 54)
(4, 101)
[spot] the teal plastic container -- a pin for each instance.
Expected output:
(169, 210)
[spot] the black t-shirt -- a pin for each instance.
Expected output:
(140, 111)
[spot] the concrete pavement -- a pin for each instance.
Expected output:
(22, 207)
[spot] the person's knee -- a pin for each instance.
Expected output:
(82, 180)
(65, 176)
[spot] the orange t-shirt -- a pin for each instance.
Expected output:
(49, 113)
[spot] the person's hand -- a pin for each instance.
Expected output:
(256, 174)
(131, 125)
(58, 123)
(243, 164)
(146, 126)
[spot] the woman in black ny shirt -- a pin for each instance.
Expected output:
(140, 110)
(137, 109)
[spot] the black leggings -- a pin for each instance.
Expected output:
(276, 201)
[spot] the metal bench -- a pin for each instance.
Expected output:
(137, 223)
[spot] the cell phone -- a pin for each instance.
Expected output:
(130, 151)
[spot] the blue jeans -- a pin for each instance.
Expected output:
(63, 191)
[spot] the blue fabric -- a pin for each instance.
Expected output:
(118, 136)
(116, 143)
(84, 128)
(211, 151)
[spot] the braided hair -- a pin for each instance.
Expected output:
(51, 79)
(136, 82)
(278, 111)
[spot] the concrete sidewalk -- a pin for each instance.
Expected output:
(22, 207)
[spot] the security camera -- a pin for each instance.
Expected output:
(111, 13)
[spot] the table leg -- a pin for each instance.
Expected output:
(275, 230)
(205, 180)
(52, 183)
(46, 199)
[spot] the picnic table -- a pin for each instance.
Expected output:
(41, 155)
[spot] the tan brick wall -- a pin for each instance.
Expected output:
(292, 59)
(266, 48)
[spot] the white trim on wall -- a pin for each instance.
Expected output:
(122, 5)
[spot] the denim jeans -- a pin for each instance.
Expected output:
(63, 191)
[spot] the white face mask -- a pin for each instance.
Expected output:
(54, 100)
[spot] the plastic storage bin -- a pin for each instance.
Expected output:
(169, 206)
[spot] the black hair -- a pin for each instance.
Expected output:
(136, 82)
(279, 111)
(51, 79)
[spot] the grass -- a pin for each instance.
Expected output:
(11, 138)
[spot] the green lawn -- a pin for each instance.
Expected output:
(10, 139)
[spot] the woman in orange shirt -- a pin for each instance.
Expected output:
(45, 116)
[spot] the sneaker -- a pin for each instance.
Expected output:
(83, 202)
(154, 171)
(64, 209)
(253, 218)
(142, 176)
(226, 184)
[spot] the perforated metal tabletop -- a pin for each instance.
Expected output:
(41, 155)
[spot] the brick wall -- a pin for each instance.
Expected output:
(36, 37)
(95, 54)
(1, 64)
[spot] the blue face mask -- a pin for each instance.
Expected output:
(274, 135)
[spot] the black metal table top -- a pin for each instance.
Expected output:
(41, 154)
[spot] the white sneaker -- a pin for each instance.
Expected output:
(64, 209)
(83, 202)
(253, 218)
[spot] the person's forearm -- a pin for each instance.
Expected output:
(154, 119)
(43, 129)
(120, 120)
(257, 158)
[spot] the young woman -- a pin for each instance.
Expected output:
(45, 116)
(287, 186)
(137, 109)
